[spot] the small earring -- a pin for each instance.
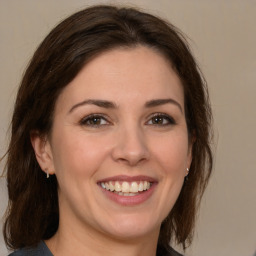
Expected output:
(47, 174)
(186, 177)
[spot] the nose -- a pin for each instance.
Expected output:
(130, 147)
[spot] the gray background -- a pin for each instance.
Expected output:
(223, 39)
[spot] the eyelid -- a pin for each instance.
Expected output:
(94, 115)
(171, 120)
(83, 121)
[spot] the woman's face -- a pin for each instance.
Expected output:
(119, 144)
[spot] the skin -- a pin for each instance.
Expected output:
(128, 138)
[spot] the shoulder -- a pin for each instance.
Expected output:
(175, 253)
(161, 251)
(40, 250)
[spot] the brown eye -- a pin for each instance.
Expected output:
(94, 120)
(160, 119)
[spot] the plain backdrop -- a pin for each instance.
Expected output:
(223, 38)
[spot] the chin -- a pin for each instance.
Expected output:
(131, 227)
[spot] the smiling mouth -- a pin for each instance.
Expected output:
(124, 188)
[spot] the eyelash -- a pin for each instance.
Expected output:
(84, 121)
(166, 119)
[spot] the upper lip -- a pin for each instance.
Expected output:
(128, 178)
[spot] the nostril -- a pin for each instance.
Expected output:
(131, 158)
(131, 147)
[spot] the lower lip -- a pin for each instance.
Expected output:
(130, 200)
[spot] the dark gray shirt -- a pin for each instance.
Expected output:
(40, 250)
(43, 250)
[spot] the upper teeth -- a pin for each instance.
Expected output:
(126, 187)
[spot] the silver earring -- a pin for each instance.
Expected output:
(47, 174)
(186, 177)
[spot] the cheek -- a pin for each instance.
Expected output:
(78, 154)
(170, 157)
(172, 154)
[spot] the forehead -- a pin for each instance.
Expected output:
(125, 74)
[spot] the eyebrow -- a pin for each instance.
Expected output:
(99, 103)
(111, 105)
(159, 102)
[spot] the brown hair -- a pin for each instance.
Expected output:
(32, 214)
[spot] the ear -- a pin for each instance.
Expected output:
(43, 151)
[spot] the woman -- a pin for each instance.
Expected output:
(110, 147)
